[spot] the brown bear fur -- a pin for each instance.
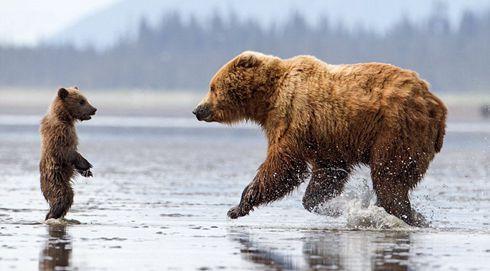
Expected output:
(59, 155)
(329, 118)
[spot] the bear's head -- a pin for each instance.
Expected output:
(240, 90)
(72, 103)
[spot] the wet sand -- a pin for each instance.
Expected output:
(160, 193)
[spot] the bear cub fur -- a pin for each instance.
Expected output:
(59, 156)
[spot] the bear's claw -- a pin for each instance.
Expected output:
(310, 204)
(236, 212)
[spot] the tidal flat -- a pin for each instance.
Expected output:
(162, 187)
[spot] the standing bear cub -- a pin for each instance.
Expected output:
(59, 155)
(326, 119)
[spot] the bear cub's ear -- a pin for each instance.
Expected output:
(248, 60)
(62, 93)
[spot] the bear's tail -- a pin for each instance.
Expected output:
(441, 126)
(438, 114)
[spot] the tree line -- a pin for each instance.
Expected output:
(184, 54)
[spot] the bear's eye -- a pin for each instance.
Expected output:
(82, 102)
(212, 89)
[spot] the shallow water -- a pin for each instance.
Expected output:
(162, 188)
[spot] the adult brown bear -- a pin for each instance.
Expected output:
(331, 118)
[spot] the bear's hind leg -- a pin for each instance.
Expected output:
(327, 182)
(394, 198)
(393, 180)
(58, 210)
(60, 206)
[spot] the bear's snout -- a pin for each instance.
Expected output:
(202, 112)
(87, 115)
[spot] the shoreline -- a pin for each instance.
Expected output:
(180, 103)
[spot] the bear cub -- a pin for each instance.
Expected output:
(59, 156)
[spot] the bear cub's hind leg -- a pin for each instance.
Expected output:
(60, 207)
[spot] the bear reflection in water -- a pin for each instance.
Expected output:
(56, 253)
(333, 251)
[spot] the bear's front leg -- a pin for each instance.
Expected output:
(276, 177)
(81, 165)
(249, 199)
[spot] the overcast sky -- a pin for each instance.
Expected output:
(27, 21)
(30, 21)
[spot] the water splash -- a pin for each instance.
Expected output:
(372, 217)
(61, 222)
(356, 205)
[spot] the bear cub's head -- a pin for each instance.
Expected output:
(239, 90)
(75, 104)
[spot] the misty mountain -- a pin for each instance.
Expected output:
(121, 20)
(178, 54)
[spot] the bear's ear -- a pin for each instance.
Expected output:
(248, 60)
(75, 87)
(62, 93)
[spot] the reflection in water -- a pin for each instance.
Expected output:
(323, 252)
(361, 250)
(332, 251)
(264, 256)
(393, 255)
(56, 252)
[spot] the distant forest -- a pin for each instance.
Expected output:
(184, 54)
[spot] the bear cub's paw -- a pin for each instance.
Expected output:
(86, 173)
